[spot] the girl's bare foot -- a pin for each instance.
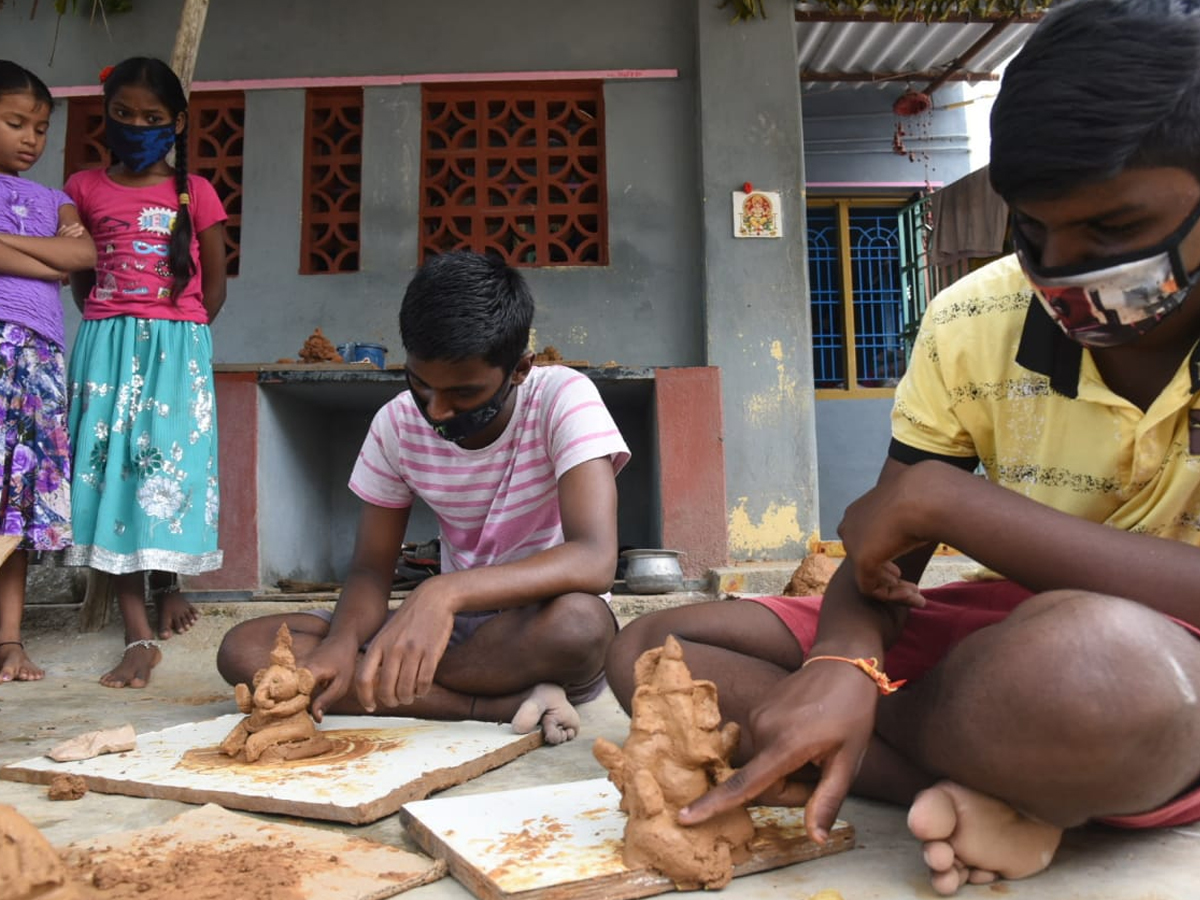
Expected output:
(15, 664)
(175, 614)
(133, 670)
(971, 837)
(548, 706)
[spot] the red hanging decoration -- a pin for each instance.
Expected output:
(912, 103)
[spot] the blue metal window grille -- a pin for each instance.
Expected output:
(922, 279)
(825, 294)
(880, 350)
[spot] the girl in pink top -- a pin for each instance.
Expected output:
(41, 239)
(143, 422)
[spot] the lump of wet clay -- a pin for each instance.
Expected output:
(548, 355)
(811, 577)
(279, 726)
(675, 752)
(66, 787)
(94, 743)
(319, 348)
(30, 869)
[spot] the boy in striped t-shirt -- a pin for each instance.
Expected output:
(518, 463)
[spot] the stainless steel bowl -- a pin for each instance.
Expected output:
(653, 571)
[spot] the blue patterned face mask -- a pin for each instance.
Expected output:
(138, 146)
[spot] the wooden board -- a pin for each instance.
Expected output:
(324, 865)
(376, 766)
(565, 841)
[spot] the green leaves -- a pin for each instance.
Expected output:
(934, 10)
(744, 9)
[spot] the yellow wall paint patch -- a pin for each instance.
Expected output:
(777, 528)
(773, 407)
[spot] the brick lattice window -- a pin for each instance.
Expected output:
(333, 124)
(216, 134)
(216, 141)
(516, 170)
(85, 136)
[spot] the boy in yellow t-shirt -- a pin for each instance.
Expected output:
(1071, 373)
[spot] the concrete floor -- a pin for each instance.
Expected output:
(1093, 863)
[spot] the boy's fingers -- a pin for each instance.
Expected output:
(738, 789)
(324, 697)
(365, 678)
(822, 808)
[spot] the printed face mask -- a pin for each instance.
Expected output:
(1113, 301)
(465, 425)
(138, 146)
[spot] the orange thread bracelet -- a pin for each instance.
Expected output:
(870, 667)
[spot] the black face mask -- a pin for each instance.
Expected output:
(463, 426)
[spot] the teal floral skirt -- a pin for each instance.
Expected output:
(143, 420)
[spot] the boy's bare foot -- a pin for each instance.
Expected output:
(133, 670)
(15, 664)
(175, 614)
(547, 705)
(971, 837)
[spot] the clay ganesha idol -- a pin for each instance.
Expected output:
(278, 725)
(674, 753)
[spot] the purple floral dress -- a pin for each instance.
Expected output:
(35, 491)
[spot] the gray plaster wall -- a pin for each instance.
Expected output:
(852, 442)
(679, 289)
(758, 327)
(643, 309)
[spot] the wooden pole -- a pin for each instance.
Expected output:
(187, 40)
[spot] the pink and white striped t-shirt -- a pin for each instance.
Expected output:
(500, 503)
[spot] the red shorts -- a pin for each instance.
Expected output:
(950, 614)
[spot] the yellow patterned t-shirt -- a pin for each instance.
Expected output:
(993, 379)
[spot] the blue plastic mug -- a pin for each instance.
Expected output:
(353, 351)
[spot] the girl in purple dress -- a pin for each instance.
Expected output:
(41, 240)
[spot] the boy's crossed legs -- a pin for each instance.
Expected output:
(1056, 710)
(527, 666)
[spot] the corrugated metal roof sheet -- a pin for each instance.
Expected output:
(897, 52)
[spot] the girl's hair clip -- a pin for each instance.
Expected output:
(104, 73)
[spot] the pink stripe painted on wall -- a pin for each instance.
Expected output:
(277, 84)
(872, 184)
